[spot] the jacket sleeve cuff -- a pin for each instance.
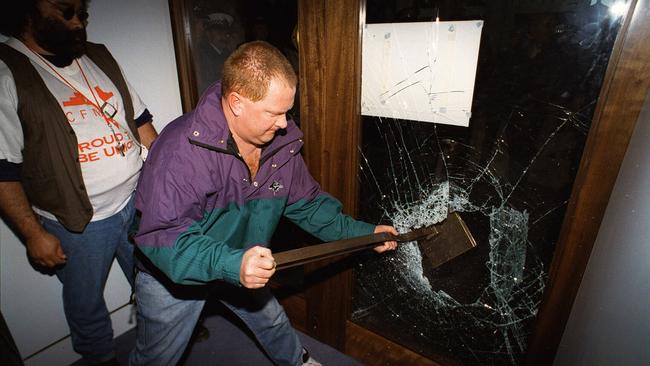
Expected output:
(231, 268)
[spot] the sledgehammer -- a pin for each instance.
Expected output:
(439, 243)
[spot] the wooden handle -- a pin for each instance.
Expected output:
(296, 257)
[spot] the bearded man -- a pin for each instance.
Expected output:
(73, 135)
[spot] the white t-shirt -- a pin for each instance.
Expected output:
(109, 177)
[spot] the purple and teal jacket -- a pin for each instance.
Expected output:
(201, 210)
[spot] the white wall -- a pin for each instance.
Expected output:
(138, 33)
(610, 320)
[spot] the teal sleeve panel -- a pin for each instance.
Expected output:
(323, 218)
(196, 259)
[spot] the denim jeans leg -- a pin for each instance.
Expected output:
(165, 323)
(266, 318)
(89, 258)
(124, 251)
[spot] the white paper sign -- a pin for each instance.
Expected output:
(420, 71)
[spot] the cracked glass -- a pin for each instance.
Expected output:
(508, 175)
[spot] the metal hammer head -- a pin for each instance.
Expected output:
(452, 239)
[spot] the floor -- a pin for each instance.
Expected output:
(230, 344)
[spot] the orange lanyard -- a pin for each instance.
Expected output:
(109, 119)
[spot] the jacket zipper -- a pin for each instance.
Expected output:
(239, 157)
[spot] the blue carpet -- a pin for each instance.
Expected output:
(230, 344)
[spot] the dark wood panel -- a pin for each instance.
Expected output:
(372, 349)
(624, 90)
(330, 69)
(330, 90)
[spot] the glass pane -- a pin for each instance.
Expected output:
(218, 27)
(509, 175)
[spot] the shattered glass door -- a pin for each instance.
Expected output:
(508, 175)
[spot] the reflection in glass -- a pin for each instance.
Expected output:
(218, 27)
(509, 175)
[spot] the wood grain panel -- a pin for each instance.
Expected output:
(624, 90)
(330, 51)
(372, 349)
(330, 90)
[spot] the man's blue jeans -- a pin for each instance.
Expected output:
(90, 256)
(167, 316)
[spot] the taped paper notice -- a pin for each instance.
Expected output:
(420, 71)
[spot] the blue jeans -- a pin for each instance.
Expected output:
(167, 315)
(90, 256)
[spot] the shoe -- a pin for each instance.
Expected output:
(307, 360)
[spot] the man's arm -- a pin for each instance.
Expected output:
(43, 247)
(147, 134)
(321, 214)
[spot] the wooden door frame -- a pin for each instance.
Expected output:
(330, 113)
(330, 70)
(622, 95)
(182, 38)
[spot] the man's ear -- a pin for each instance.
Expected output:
(236, 103)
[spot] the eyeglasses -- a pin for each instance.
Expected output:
(69, 11)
